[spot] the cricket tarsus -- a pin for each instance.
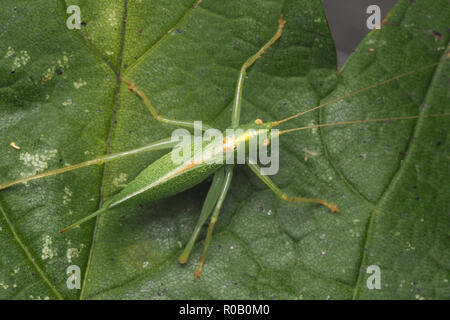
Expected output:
(283, 195)
(89, 217)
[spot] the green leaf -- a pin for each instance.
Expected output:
(63, 100)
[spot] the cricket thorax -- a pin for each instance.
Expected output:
(245, 141)
(240, 137)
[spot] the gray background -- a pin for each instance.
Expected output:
(347, 21)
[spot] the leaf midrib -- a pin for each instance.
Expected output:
(108, 149)
(113, 119)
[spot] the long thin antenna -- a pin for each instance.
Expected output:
(356, 92)
(435, 115)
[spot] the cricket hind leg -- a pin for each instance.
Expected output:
(157, 145)
(208, 206)
(223, 193)
(87, 218)
(236, 114)
(181, 123)
(284, 196)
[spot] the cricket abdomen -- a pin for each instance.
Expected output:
(163, 178)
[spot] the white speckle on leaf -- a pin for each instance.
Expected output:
(10, 52)
(68, 102)
(120, 180)
(145, 264)
(72, 253)
(410, 247)
(78, 84)
(67, 196)
(354, 233)
(58, 64)
(4, 285)
(20, 59)
(37, 162)
(47, 251)
(112, 19)
(48, 75)
(16, 271)
(313, 130)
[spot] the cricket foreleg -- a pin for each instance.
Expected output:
(161, 144)
(180, 123)
(236, 114)
(223, 193)
(284, 196)
(208, 206)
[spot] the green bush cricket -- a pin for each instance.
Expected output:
(164, 178)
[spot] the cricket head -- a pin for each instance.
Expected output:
(248, 142)
(248, 133)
